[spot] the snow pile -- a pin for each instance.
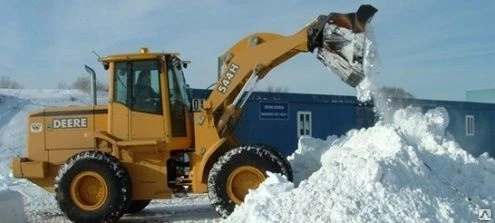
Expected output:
(404, 171)
(406, 168)
(307, 157)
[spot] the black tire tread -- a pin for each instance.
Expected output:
(118, 181)
(277, 154)
(260, 157)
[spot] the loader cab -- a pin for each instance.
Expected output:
(148, 99)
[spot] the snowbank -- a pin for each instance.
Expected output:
(14, 108)
(12, 206)
(404, 171)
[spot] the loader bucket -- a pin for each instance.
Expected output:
(341, 43)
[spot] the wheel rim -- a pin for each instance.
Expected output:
(89, 190)
(241, 180)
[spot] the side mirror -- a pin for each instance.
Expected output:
(105, 65)
(185, 63)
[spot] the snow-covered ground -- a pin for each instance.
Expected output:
(403, 169)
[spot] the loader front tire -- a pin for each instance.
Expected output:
(93, 186)
(239, 170)
(281, 158)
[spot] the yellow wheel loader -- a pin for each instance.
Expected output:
(103, 161)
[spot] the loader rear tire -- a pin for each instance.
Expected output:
(239, 170)
(137, 206)
(93, 186)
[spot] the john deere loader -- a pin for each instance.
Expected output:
(103, 161)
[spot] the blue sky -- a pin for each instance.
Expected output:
(433, 49)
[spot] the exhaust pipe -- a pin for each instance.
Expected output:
(341, 42)
(92, 74)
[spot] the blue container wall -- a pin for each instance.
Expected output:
(331, 115)
(335, 115)
(251, 130)
(482, 140)
(327, 119)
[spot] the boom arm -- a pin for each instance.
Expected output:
(253, 57)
